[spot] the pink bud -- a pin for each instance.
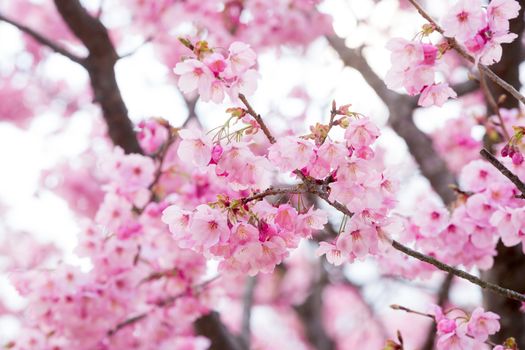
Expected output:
(216, 153)
(517, 158)
(446, 325)
(430, 54)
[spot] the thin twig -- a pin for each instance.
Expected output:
(492, 102)
(462, 274)
(258, 118)
(43, 40)
(274, 191)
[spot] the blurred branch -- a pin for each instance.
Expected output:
(401, 107)
(100, 65)
(248, 298)
(211, 327)
(311, 312)
(191, 104)
(43, 40)
(466, 87)
(442, 299)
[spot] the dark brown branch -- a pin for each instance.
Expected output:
(43, 40)
(100, 65)
(462, 274)
(503, 170)
(274, 191)
(211, 327)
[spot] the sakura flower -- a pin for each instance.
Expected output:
(405, 53)
(177, 219)
(241, 57)
(286, 217)
(482, 324)
(492, 51)
(245, 84)
(208, 227)
(500, 11)
(194, 148)
(431, 218)
(194, 75)
(216, 63)
(242, 168)
(215, 91)
(358, 239)
(477, 175)
(135, 171)
(151, 135)
(290, 153)
(334, 255)
(436, 94)
(361, 132)
(416, 78)
(455, 340)
(464, 19)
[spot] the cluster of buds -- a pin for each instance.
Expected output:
(511, 149)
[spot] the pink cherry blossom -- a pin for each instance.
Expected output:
(482, 324)
(151, 135)
(436, 94)
(194, 148)
(463, 20)
(361, 132)
(500, 11)
(334, 255)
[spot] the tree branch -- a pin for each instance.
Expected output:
(258, 118)
(43, 40)
(442, 299)
(503, 170)
(310, 312)
(462, 274)
(248, 299)
(100, 65)
(211, 327)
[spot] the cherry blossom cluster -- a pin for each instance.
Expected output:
(414, 68)
(482, 31)
(457, 329)
(260, 23)
(137, 270)
(455, 143)
(214, 75)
